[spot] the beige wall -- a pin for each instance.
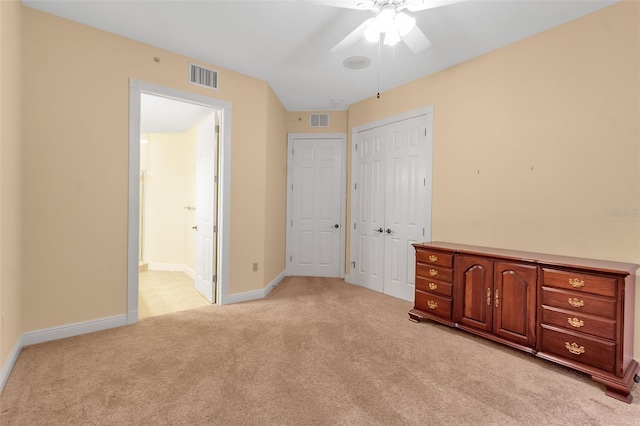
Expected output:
(275, 189)
(170, 182)
(76, 166)
(10, 177)
(298, 122)
(537, 143)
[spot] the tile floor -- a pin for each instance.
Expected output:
(163, 292)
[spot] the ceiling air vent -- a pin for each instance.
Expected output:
(203, 76)
(319, 120)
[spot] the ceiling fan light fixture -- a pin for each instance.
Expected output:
(391, 37)
(372, 32)
(404, 23)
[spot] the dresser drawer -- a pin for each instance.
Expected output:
(579, 302)
(581, 348)
(430, 303)
(434, 272)
(589, 324)
(434, 258)
(434, 286)
(596, 284)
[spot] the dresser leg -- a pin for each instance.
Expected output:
(622, 396)
(620, 388)
(415, 317)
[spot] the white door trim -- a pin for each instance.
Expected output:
(393, 119)
(136, 87)
(343, 183)
(428, 112)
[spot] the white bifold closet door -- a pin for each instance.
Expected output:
(391, 204)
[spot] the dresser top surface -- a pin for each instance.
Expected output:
(620, 268)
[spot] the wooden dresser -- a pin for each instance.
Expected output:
(572, 311)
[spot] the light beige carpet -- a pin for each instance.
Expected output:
(163, 292)
(314, 352)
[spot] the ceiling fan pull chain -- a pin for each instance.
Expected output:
(379, 65)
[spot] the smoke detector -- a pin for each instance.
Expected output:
(356, 62)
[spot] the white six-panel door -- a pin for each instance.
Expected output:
(405, 200)
(315, 224)
(368, 201)
(391, 197)
(206, 217)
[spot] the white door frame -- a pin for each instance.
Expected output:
(136, 88)
(343, 183)
(428, 112)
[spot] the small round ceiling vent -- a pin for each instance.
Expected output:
(356, 62)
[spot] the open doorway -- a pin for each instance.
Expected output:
(179, 156)
(178, 165)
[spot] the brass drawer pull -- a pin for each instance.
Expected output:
(497, 298)
(575, 322)
(576, 303)
(431, 304)
(433, 258)
(576, 282)
(574, 348)
(433, 272)
(488, 297)
(433, 286)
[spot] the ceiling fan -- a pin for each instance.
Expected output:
(391, 24)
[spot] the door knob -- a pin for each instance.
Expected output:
(388, 231)
(195, 227)
(380, 230)
(336, 226)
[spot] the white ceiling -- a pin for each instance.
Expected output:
(162, 115)
(288, 43)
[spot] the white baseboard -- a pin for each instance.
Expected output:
(189, 271)
(256, 294)
(55, 333)
(75, 329)
(175, 267)
(11, 361)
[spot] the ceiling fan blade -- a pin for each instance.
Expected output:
(418, 5)
(347, 4)
(352, 38)
(416, 40)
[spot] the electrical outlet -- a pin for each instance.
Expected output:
(254, 266)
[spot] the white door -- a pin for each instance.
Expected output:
(405, 200)
(315, 218)
(206, 197)
(390, 204)
(368, 201)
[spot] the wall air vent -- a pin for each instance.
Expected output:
(319, 120)
(203, 77)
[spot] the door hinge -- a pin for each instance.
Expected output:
(215, 228)
(425, 182)
(290, 258)
(423, 232)
(215, 278)
(425, 131)
(354, 225)
(217, 128)
(215, 179)
(292, 223)
(293, 150)
(355, 186)
(356, 147)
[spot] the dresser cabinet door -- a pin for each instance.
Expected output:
(474, 301)
(514, 302)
